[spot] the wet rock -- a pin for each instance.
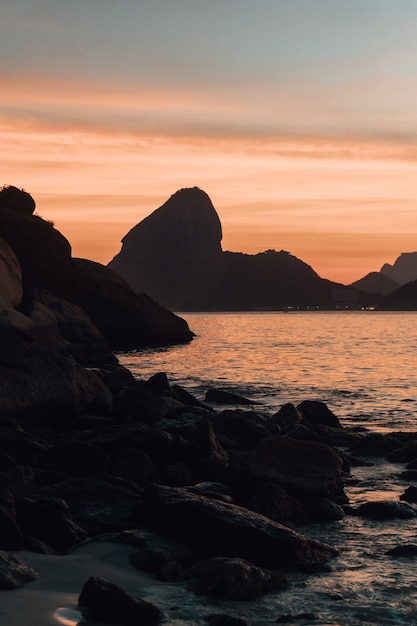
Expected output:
(384, 510)
(215, 619)
(410, 494)
(232, 578)
(303, 469)
(408, 550)
(287, 418)
(322, 510)
(291, 619)
(375, 444)
(224, 529)
(318, 414)
(410, 474)
(141, 404)
(405, 453)
(186, 398)
(112, 604)
(14, 572)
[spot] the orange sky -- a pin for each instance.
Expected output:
(308, 150)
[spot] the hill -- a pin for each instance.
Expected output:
(175, 256)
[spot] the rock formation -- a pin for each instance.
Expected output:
(175, 256)
(404, 268)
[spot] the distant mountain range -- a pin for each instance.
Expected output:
(390, 277)
(175, 256)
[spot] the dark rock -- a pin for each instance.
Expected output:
(229, 530)
(16, 200)
(36, 381)
(232, 578)
(19, 445)
(141, 404)
(275, 503)
(127, 319)
(375, 444)
(384, 510)
(10, 534)
(218, 491)
(112, 604)
(74, 458)
(410, 495)
(303, 469)
(240, 429)
(174, 254)
(410, 474)
(318, 414)
(408, 550)
(48, 519)
(322, 510)
(218, 619)
(205, 444)
(11, 288)
(405, 453)
(220, 396)
(291, 619)
(186, 398)
(7, 462)
(14, 572)
(92, 502)
(157, 554)
(288, 418)
(185, 422)
(18, 480)
(135, 466)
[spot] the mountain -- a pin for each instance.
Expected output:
(376, 282)
(402, 299)
(404, 269)
(175, 256)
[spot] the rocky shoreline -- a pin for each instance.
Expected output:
(208, 492)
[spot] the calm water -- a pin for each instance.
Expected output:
(363, 365)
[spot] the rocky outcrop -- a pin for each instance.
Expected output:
(35, 259)
(174, 254)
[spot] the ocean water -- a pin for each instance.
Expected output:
(364, 366)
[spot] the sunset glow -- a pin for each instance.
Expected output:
(308, 147)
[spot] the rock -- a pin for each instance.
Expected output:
(14, 572)
(299, 617)
(127, 319)
(288, 418)
(375, 444)
(322, 510)
(48, 520)
(410, 495)
(141, 404)
(20, 446)
(205, 444)
(157, 554)
(384, 510)
(275, 503)
(404, 454)
(112, 604)
(410, 475)
(74, 458)
(11, 288)
(92, 502)
(224, 529)
(303, 469)
(240, 429)
(186, 398)
(16, 200)
(175, 254)
(36, 381)
(318, 414)
(221, 396)
(232, 578)
(10, 534)
(218, 491)
(408, 550)
(135, 466)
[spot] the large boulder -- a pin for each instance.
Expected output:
(11, 290)
(125, 318)
(218, 528)
(175, 254)
(36, 382)
(14, 572)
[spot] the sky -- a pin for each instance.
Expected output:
(297, 117)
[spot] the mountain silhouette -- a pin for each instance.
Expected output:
(402, 299)
(404, 269)
(376, 282)
(175, 256)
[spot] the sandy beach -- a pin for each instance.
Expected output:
(53, 598)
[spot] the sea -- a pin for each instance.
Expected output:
(363, 365)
